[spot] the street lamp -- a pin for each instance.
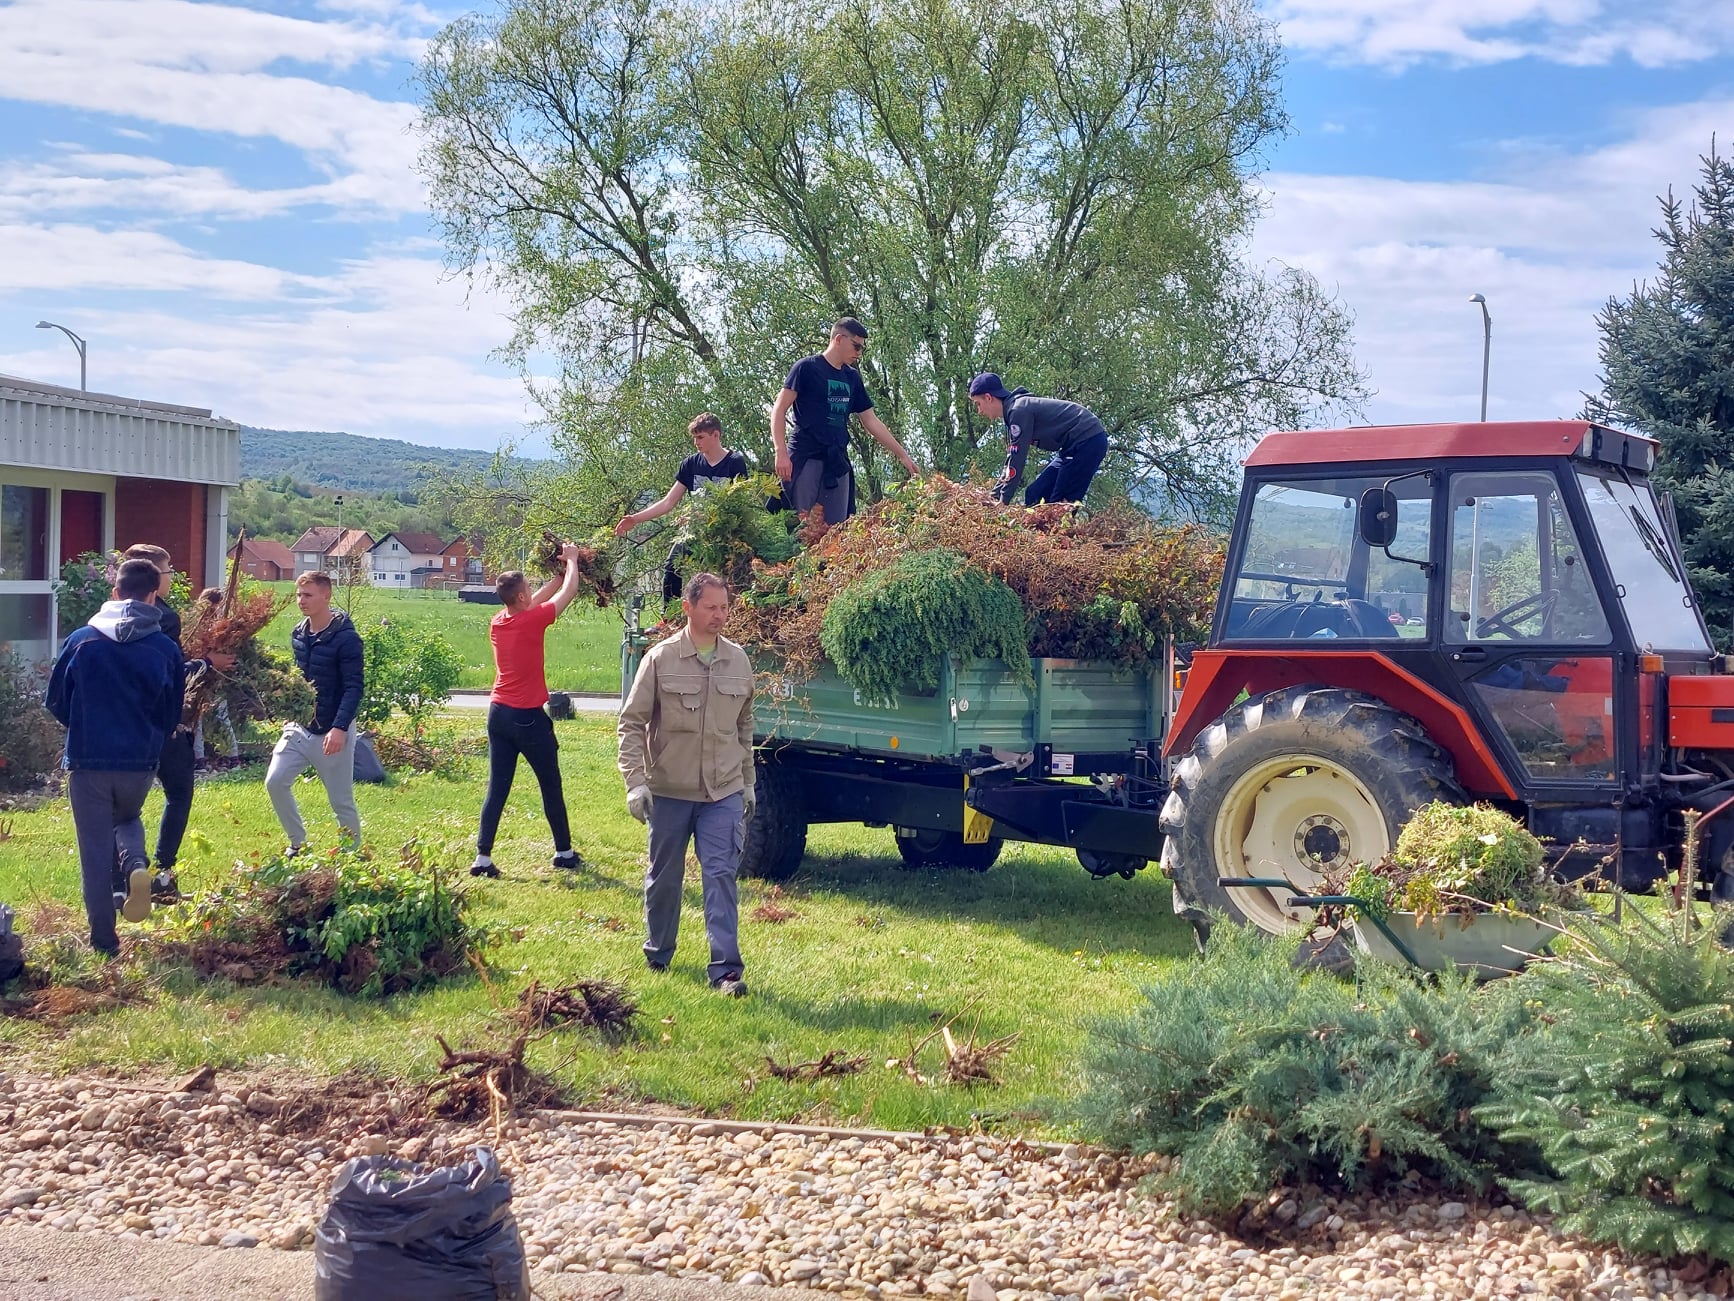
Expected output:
(339, 514)
(76, 343)
(1486, 347)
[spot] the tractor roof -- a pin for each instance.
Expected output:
(1471, 439)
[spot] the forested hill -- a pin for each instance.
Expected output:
(346, 462)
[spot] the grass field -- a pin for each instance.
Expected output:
(583, 647)
(873, 956)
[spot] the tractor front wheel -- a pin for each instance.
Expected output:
(1293, 785)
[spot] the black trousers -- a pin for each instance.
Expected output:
(175, 772)
(528, 732)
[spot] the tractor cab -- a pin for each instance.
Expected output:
(1494, 609)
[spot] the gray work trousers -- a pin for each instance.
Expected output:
(714, 829)
(298, 750)
(111, 840)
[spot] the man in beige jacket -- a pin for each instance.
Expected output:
(686, 751)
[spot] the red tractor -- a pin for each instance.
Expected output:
(1493, 612)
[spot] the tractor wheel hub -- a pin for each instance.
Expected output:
(1322, 842)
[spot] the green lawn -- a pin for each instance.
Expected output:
(583, 647)
(873, 955)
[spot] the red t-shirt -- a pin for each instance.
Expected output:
(519, 679)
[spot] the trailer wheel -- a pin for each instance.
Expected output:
(1293, 784)
(776, 838)
(1103, 865)
(924, 847)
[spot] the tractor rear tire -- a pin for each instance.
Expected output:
(776, 837)
(926, 848)
(1290, 785)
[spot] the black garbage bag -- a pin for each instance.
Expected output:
(11, 948)
(397, 1231)
(367, 765)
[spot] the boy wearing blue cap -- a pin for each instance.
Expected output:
(1070, 431)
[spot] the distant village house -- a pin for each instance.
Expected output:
(264, 559)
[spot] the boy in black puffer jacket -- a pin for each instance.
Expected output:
(328, 653)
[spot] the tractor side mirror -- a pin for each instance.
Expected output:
(1378, 517)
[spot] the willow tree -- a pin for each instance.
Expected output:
(679, 198)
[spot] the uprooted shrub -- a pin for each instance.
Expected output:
(1626, 1086)
(367, 927)
(1249, 1075)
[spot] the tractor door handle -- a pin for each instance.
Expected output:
(1470, 653)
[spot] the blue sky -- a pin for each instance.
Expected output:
(221, 198)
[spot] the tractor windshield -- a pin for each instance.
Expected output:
(1304, 572)
(1649, 576)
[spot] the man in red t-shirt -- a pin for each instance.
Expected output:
(517, 723)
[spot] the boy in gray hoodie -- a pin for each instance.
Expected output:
(117, 686)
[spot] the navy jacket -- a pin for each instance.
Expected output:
(117, 686)
(1048, 424)
(331, 661)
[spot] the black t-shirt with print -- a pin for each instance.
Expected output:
(825, 397)
(696, 473)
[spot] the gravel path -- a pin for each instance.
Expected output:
(864, 1216)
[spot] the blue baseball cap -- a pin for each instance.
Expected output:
(990, 384)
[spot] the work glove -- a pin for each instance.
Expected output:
(748, 804)
(638, 802)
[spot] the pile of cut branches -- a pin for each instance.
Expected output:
(1105, 586)
(263, 684)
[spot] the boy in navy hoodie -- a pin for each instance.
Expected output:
(117, 686)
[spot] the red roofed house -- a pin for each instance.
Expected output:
(265, 560)
(339, 552)
(405, 560)
(462, 561)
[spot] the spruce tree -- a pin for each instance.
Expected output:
(1625, 1086)
(1667, 356)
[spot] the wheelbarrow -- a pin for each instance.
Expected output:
(1490, 944)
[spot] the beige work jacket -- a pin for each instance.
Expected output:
(686, 730)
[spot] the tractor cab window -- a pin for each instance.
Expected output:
(1517, 570)
(1303, 571)
(1649, 575)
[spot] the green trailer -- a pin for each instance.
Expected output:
(1071, 757)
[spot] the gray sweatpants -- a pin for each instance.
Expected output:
(810, 491)
(714, 829)
(298, 750)
(105, 817)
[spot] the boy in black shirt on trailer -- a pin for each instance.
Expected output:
(711, 464)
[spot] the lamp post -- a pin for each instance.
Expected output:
(1486, 347)
(76, 343)
(340, 515)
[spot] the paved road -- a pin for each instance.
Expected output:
(586, 703)
(52, 1265)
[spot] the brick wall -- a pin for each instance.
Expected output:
(172, 515)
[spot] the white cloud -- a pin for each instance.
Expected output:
(209, 67)
(1397, 33)
(1548, 243)
(64, 259)
(144, 188)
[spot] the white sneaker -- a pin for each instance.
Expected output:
(137, 905)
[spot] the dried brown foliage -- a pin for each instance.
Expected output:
(599, 1005)
(595, 568)
(832, 1063)
(1106, 586)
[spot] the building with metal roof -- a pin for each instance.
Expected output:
(91, 471)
